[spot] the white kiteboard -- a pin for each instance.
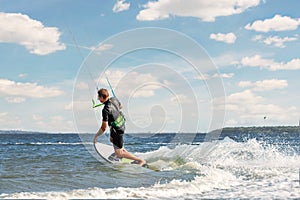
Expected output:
(107, 152)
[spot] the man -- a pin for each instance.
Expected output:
(112, 116)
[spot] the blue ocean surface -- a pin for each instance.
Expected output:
(237, 165)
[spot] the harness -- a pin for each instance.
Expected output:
(120, 121)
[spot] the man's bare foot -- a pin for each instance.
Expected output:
(141, 162)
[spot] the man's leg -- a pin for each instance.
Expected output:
(117, 140)
(122, 153)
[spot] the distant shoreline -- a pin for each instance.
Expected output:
(225, 130)
(262, 129)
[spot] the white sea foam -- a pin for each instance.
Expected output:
(224, 169)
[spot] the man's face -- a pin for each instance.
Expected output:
(101, 99)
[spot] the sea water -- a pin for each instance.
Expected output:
(62, 166)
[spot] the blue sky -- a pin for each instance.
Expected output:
(48, 74)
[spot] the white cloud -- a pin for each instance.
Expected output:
(246, 108)
(121, 6)
(207, 76)
(257, 38)
(244, 84)
(96, 49)
(274, 40)
(9, 121)
(202, 9)
(224, 75)
(245, 97)
(50, 124)
(82, 85)
(37, 117)
(278, 41)
(203, 77)
(132, 83)
(258, 61)
(231, 122)
(21, 29)
(33, 90)
(15, 99)
(264, 85)
(103, 47)
(228, 38)
(277, 23)
(228, 59)
(23, 75)
(69, 106)
(180, 98)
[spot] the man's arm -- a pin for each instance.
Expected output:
(101, 130)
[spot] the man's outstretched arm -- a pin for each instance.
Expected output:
(100, 131)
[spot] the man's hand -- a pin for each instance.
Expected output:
(95, 139)
(101, 130)
(97, 135)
